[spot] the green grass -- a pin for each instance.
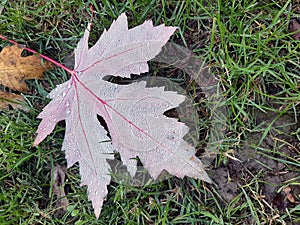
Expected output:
(245, 44)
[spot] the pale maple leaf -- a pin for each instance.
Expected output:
(133, 113)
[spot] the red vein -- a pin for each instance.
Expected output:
(119, 114)
(82, 127)
(109, 57)
(41, 55)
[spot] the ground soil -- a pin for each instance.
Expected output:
(270, 174)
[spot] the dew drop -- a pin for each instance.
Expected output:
(92, 183)
(68, 111)
(170, 137)
(64, 94)
(67, 104)
(69, 86)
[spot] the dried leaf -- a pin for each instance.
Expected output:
(289, 196)
(14, 70)
(14, 100)
(294, 28)
(58, 190)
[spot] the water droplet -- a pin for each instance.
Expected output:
(67, 104)
(69, 86)
(54, 119)
(64, 94)
(68, 111)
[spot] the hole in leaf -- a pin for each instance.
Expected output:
(25, 53)
(123, 80)
(103, 124)
(10, 107)
(172, 113)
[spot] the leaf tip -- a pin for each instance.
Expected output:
(35, 143)
(97, 212)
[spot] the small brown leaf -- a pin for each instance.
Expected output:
(287, 190)
(289, 196)
(58, 190)
(15, 101)
(294, 28)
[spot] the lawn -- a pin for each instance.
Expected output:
(255, 169)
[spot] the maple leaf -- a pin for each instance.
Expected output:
(133, 113)
(14, 70)
(11, 99)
